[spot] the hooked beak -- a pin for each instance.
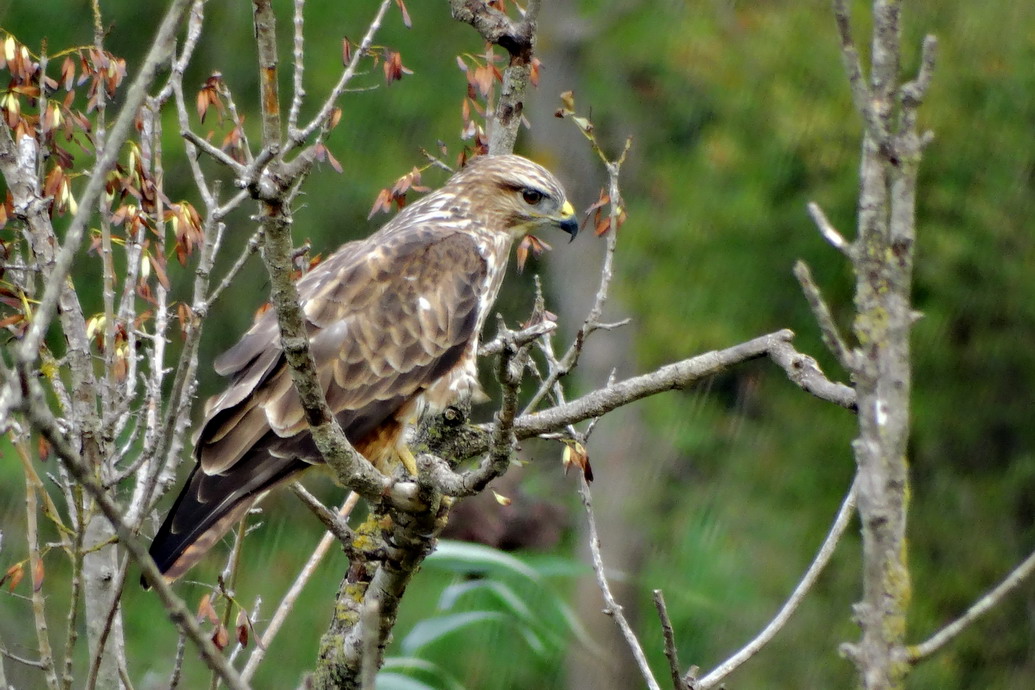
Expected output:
(568, 222)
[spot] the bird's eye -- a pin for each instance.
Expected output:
(532, 196)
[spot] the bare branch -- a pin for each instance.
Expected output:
(334, 522)
(829, 232)
(288, 602)
(919, 652)
(670, 377)
(827, 327)
(323, 116)
(298, 92)
(41, 418)
(837, 530)
(221, 156)
(912, 93)
(32, 485)
(157, 57)
(670, 642)
(611, 606)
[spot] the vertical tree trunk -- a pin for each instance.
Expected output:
(100, 575)
(882, 256)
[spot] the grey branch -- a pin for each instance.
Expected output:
(35, 408)
(844, 517)
(982, 606)
(161, 49)
(827, 327)
(611, 605)
(670, 642)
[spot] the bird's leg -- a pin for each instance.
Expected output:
(407, 459)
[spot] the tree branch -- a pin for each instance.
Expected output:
(837, 530)
(611, 606)
(919, 652)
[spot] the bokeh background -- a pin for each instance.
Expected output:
(740, 114)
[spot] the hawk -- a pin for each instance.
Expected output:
(393, 322)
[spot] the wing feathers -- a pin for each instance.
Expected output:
(385, 321)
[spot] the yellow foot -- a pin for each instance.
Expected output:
(407, 459)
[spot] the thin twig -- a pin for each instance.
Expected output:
(671, 652)
(298, 93)
(982, 606)
(288, 602)
(827, 327)
(323, 116)
(157, 57)
(611, 606)
(331, 519)
(39, 613)
(829, 232)
(841, 522)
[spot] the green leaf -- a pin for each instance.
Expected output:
(463, 557)
(412, 667)
(427, 631)
(397, 681)
(501, 593)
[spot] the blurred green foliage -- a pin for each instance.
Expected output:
(740, 114)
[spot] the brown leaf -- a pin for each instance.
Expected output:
(501, 499)
(406, 15)
(346, 52)
(68, 72)
(242, 628)
(37, 575)
(206, 611)
(483, 79)
(156, 264)
(221, 638)
(43, 447)
(533, 74)
(522, 255)
(335, 118)
(575, 454)
(15, 573)
(383, 202)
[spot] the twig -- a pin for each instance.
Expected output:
(569, 361)
(41, 418)
(670, 642)
(157, 57)
(109, 621)
(841, 522)
(611, 606)
(221, 156)
(827, 327)
(332, 520)
(323, 116)
(288, 602)
(829, 232)
(36, 566)
(76, 586)
(298, 93)
(861, 96)
(982, 606)
(181, 648)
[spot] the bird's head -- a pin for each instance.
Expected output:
(522, 197)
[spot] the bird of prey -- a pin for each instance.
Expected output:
(393, 321)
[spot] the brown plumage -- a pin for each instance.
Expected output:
(393, 321)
